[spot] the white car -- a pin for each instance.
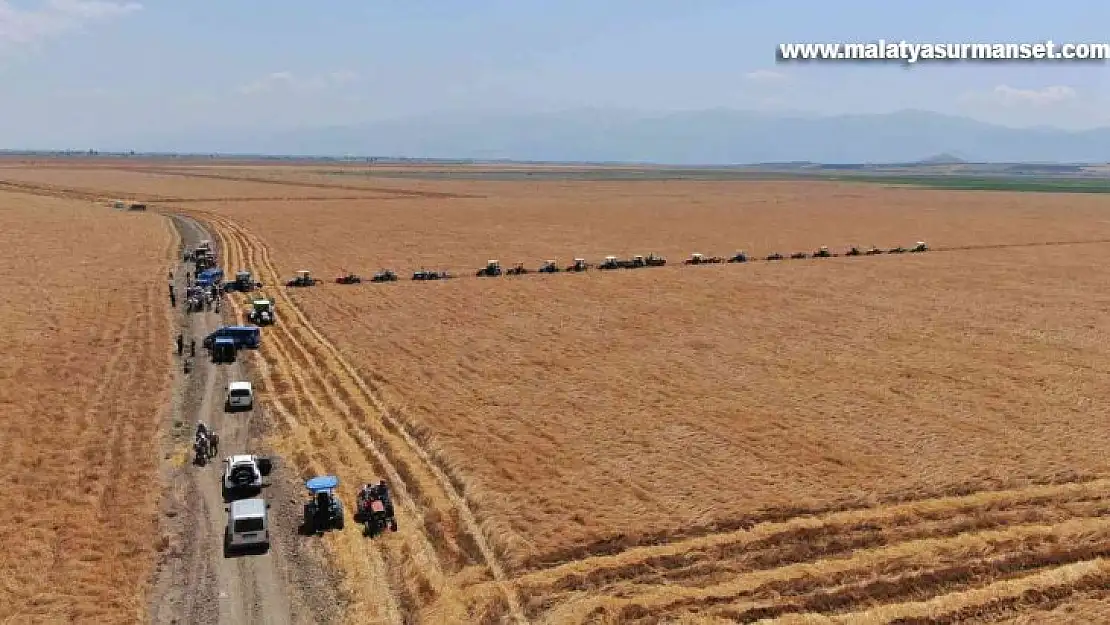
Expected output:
(248, 525)
(243, 475)
(240, 395)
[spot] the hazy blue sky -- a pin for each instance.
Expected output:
(75, 71)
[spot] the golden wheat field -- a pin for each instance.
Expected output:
(913, 438)
(84, 378)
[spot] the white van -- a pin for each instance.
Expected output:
(239, 395)
(248, 525)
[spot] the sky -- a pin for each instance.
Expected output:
(75, 72)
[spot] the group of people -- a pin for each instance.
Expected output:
(206, 433)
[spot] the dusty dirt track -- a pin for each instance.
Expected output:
(845, 440)
(197, 583)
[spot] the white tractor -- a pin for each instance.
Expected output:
(261, 312)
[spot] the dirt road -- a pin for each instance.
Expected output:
(195, 583)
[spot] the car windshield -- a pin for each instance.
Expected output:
(248, 525)
(240, 392)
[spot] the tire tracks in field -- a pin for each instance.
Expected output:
(428, 503)
(300, 411)
(836, 562)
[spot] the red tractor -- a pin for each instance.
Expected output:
(348, 278)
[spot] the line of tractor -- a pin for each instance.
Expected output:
(493, 268)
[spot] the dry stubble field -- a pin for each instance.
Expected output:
(874, 439)
(84, 379)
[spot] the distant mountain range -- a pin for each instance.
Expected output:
(710, 137)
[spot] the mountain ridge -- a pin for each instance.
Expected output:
(703, 137)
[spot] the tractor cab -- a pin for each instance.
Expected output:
(385, 275)
(739, 257)
(610, 262)
(304, 278)
(695, 259)
(655, 260)
(243, 282)
(549, 266)
(262, 312)
(324, 510)
(492, 268)
(920, 247)
(822, 252)
(348, 278)
(579, 265)
(517, 270)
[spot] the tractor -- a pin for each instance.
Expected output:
(633, 263)
(261, 312)
(920, 247)
(775, 256)
(244, 282)
(491, 270)
(517, 270)
(874, 251)
(853, 252)
(348, 278)
(699, 259)
(654, 260)
(203, 257)
(424, 274)
(579, 265)
(740, 257)
(549, 266)
(223, 349)
(375, 509)
(610, 262)
(304, 278)
(324, 510)
(799, 255)
(385, 275)
(823, 252)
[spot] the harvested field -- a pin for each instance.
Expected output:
(124, 184)
(644, 407)
(85, 371)
(913, 438)
(522, 222)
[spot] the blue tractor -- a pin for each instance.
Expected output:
(244, 282)
(324, 510)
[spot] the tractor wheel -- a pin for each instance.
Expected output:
(339, 521)
(393, 525)
(308, 517)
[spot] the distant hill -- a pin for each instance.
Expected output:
(942, 159)
(718, 136)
